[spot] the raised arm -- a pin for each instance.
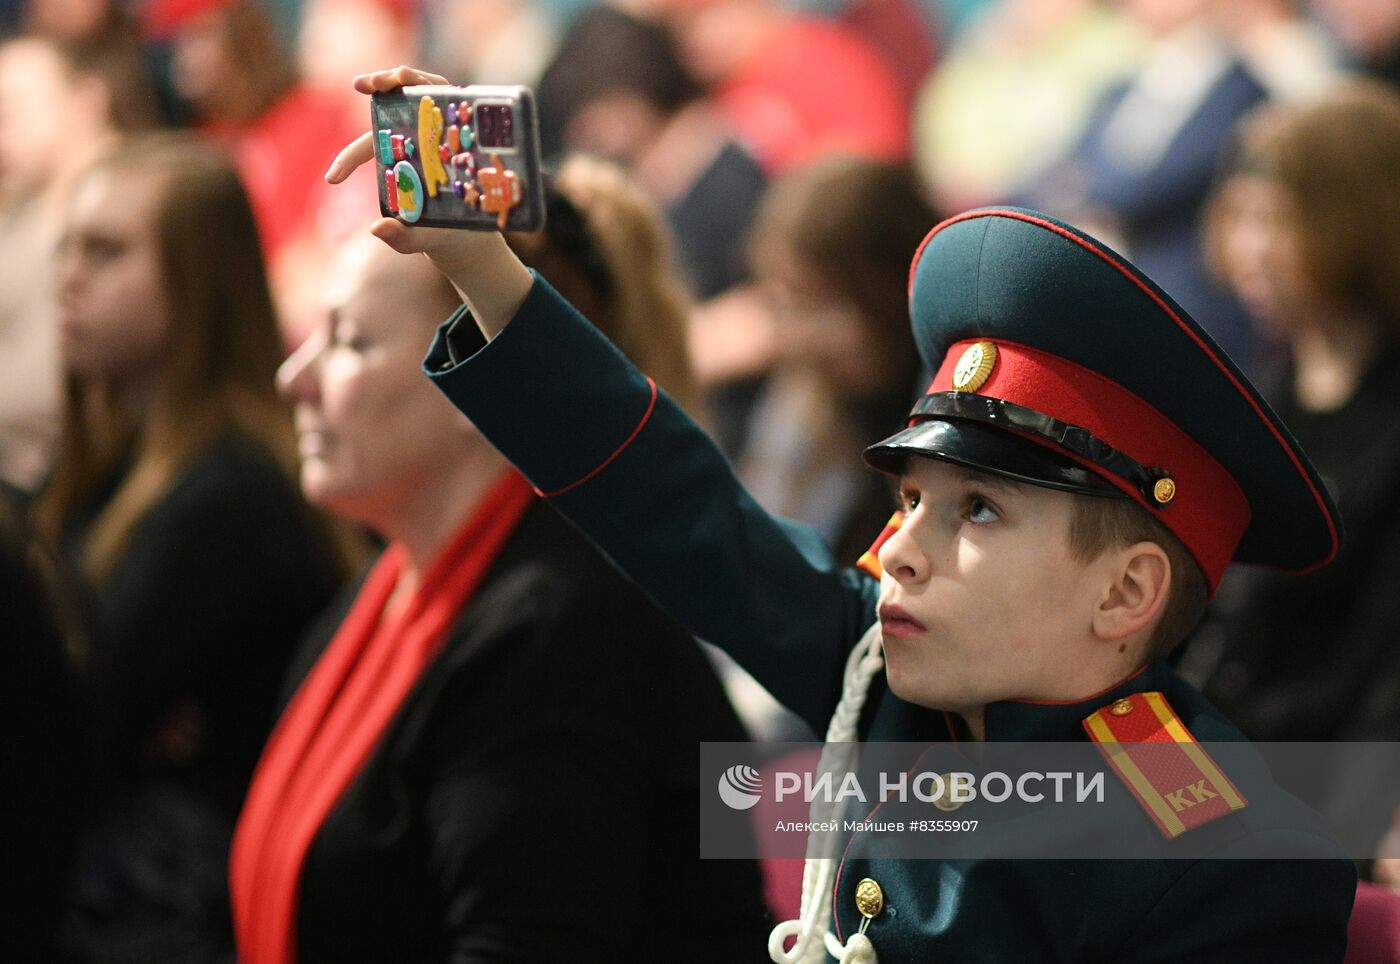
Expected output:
(643, 482)
(628, 467)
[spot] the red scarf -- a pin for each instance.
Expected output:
(337, 717)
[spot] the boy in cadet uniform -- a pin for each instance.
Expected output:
(1080, 472)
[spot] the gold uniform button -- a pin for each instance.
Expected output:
(944, 801)
(1121, 707)
(975, 366)
(1164, 491)
(870, 899)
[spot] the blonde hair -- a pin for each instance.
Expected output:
(218, 367)
(621, 273)
(1100, 524)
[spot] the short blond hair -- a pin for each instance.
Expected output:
(1099, 524)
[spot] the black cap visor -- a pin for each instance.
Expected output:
(984, 448)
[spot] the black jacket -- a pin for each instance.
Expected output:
(192, 632)
(1314, 657)
(535, 798)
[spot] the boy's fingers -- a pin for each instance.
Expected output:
(361, 149)
(395, 234)
(408, 239)
(351, 156)
(401, 76)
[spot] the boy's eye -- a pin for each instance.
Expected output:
(908, 501)
(980, 512)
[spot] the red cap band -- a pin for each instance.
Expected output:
(1207, 511)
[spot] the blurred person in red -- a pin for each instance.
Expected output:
(1306, 228)
(230, 66)
(792, 85)
(173, 507)
(906, 33)
(42, 150)
(341, 38)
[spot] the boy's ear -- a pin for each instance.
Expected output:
(1139, 582)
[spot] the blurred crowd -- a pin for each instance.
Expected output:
(737, 188)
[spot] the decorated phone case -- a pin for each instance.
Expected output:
(459, 157)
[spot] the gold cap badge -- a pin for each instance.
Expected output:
(975, 366)
(1164, 491)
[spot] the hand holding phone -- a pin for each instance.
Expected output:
(459, 157)
(483, 268)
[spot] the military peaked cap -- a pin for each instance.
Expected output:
(1060, 364)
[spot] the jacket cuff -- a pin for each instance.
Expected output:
(550, 392)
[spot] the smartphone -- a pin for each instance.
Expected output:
(459, 157)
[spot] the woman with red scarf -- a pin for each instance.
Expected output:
(494, 756)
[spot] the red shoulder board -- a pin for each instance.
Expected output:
(1180, 788)
(869, 560)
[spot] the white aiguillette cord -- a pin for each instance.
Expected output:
(838, 756)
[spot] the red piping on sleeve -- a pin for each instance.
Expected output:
(646, 417)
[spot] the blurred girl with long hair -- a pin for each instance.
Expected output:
(1305, 227)
(172, 501)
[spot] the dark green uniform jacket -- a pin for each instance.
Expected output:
(621, 461)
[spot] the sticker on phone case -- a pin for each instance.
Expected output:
(400, 147)
(430, 134)
(500, 190)
(409, 189)
(467, 191)
(391, 191)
